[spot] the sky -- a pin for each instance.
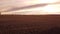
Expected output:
(50, 8)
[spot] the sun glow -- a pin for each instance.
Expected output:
(52, 9)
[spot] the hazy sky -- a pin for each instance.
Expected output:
(9, 4)
(20, 3)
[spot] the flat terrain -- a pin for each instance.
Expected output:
(30, 24)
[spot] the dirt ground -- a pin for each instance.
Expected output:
(30, 24)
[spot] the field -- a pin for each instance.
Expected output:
(29, 24)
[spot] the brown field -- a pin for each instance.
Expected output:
(30, 24)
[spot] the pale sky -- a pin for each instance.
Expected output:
(11, 4)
